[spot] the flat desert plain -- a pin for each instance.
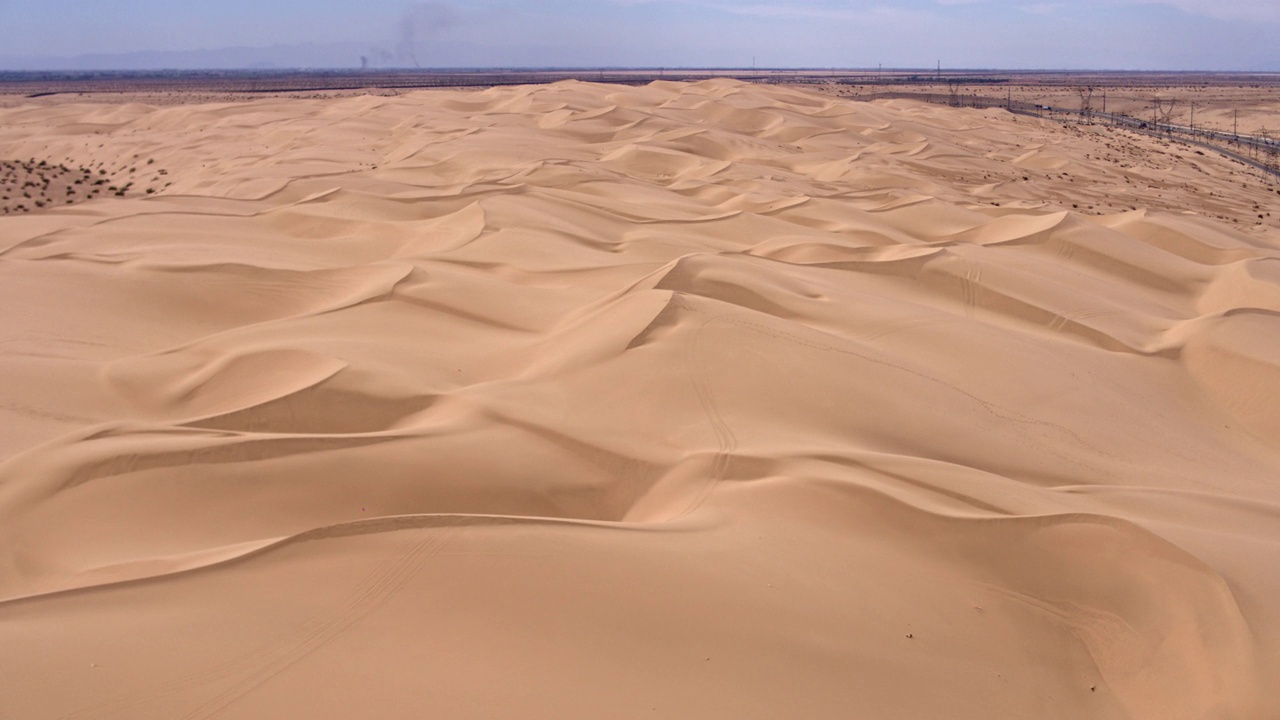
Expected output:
(701, 400)
(1247, 104)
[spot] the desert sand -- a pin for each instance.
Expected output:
(698, 400)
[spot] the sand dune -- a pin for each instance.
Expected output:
(706, 400)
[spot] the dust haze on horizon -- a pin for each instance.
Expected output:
(1096, 34)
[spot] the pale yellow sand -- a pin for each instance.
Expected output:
(683, 401)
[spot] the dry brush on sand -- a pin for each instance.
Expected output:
(705, 400)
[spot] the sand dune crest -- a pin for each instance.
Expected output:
(703, 400)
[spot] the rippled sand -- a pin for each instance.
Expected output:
(682, 401)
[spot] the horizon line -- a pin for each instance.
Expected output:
(622, 68)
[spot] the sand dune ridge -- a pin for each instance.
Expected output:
(849, 404)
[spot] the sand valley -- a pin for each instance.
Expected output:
(688, 400)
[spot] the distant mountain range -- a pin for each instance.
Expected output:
(352, 55)
(306, 56)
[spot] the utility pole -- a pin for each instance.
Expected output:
(939, 70)
(1235, 124)
(1166, 114)
(1086, 102)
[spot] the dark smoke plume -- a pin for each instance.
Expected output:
(421, 23)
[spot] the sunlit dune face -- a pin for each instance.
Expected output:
(683, 400)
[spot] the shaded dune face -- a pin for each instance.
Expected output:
(710, 400)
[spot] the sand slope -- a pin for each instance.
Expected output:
(701, 400)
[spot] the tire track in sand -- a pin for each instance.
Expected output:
(258, 666)
(727, 441)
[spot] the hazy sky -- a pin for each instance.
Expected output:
(1123, 34)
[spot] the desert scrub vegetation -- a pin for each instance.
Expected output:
(36, 184)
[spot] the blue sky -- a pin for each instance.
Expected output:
(1120, 34)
